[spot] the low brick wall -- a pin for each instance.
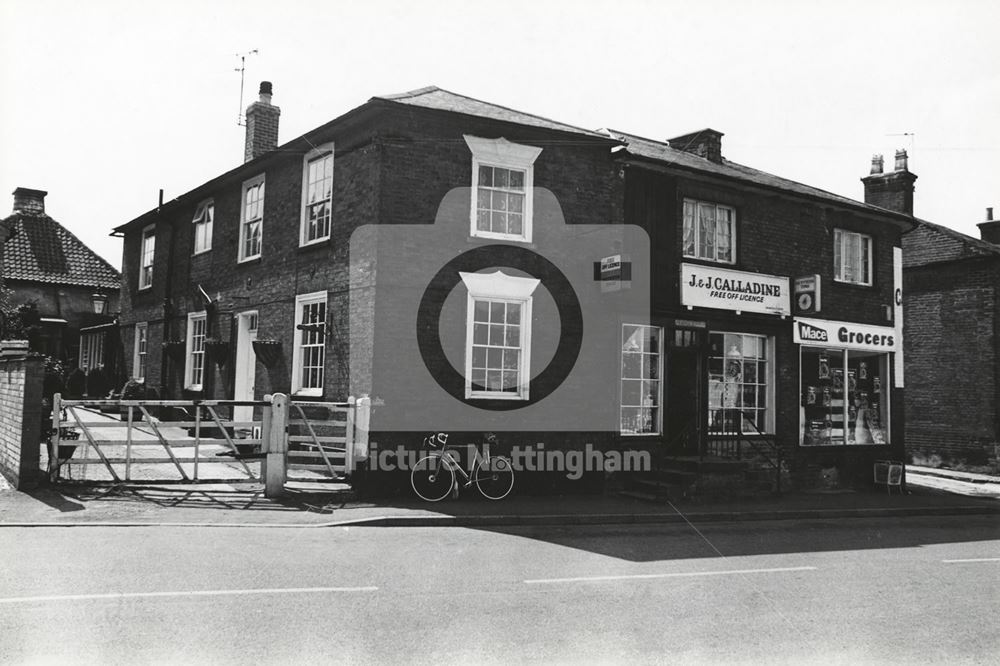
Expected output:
(21, 408)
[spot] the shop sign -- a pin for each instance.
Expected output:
(845, 335)
(724, 289)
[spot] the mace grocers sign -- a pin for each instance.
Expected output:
(724, 289)
(845, 335)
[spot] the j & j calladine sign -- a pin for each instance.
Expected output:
(710, 287)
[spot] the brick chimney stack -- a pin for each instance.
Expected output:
(705, 143)
(29, 202)
(262, 125)
(990, 229)
(893, 190)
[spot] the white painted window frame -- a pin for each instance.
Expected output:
(247, 184)
(695, 208)
(204, 218)
(841, 240)
(500, 287)
(658, 426)
(148, 235)
(322, 151)
(771, 377)
(301, 301)
(189, 351)
(504, 154)
(140, 352)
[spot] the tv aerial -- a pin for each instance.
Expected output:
(240, 120)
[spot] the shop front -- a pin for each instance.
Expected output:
(844, 383)
(737, 318)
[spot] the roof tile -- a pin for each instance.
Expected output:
(42, 250)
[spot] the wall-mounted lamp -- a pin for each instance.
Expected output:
(100, 302)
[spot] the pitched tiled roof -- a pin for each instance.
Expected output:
(662, 152)
(433, 97)
(42, 250)
(931, 243)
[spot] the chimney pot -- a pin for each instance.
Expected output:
(876, 164)
(989, 214)
(901, 160)
(29, 201)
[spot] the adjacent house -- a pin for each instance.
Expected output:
(952, 287)
(476, 268)
(72, 287)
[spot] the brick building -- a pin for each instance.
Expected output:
(45, 264)
(952, 287)
(472, 267)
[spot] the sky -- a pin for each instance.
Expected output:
(106, 102)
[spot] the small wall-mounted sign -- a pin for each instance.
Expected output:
(807, 294)
(613, 272)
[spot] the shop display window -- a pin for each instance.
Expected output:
(844, 397)
(738, 379)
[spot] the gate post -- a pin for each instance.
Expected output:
(54, 437)
(349, 435)
(362, 420)
(275, 446)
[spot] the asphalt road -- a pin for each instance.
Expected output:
(913, 590)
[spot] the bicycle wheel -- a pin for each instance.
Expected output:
(432, 479)
(495, 478)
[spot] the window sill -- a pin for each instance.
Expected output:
(709, 262)
(319, 242)
(494, 396)
(195, 388)
(482, 235)
(249, 260)
(201, 252)
(853, 285)
(148, 287)
(308, 393)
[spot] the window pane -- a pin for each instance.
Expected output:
(737, 381)
(640, 379)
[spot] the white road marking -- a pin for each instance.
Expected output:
(978, 559)
(184, 593)
(687, 574)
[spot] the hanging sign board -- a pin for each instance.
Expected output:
(845, 335)
(725, 289)
(807, 294)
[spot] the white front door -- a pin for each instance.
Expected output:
(246, 364)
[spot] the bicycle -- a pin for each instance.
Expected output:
(433, 476)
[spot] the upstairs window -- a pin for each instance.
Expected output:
(852, 257)
(709, 231)
(317, 195)
(252, 218)
(309, 353)
(147, 251)
(194, 371)
(203, 217)
(502, 181)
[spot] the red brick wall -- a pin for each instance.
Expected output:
(20, 419)
(952, 314)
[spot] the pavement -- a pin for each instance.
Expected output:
(310, 504)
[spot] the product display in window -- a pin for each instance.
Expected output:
(841, 397)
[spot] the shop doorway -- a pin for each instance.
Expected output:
(684, 391)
